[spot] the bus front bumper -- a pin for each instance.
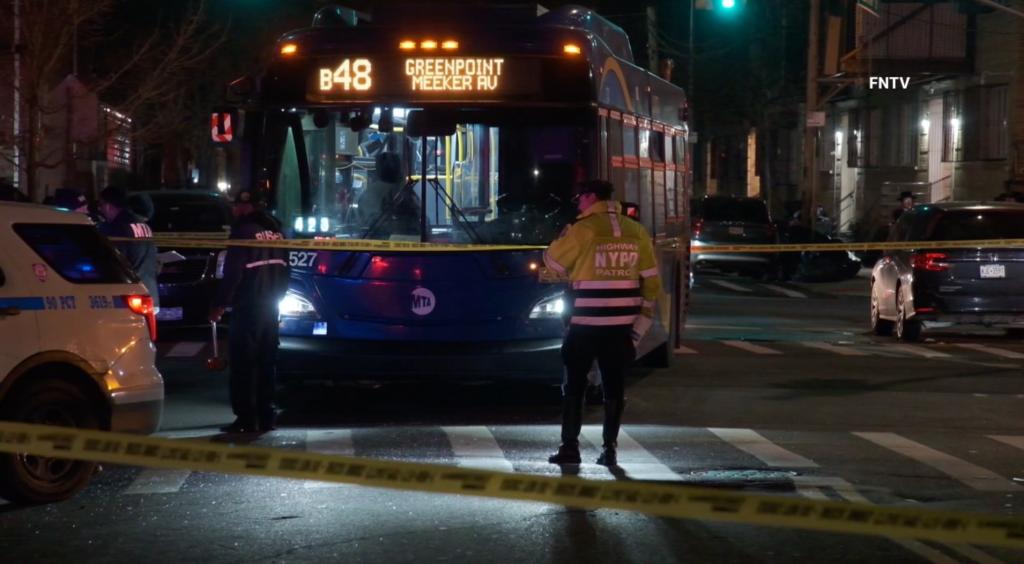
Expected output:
(321, 358)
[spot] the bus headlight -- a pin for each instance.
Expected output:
(551, 307)
(294, 305)
(218, 273)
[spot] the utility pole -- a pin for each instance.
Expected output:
(16, 50)
(810, 176)
(689, 53)
(652, 39)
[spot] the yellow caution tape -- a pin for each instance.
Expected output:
(326, 245)
(655, 499)
(880, 246)
(387, 246)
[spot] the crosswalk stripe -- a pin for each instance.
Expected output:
(810, 486)
(975, 554)
(475, 447)
(750, 347)
(185, 349)
(154, 481)
(974, 476)
(991, 350)
(766, 451)
(785, 291)
(919, 351)
(685, 350)
(634, 459)
(731, 286)
(844, 351)
(329, 441)
(1012, 440)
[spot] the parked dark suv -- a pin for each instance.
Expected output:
(724, 220)
(913, 289)
(186, 284)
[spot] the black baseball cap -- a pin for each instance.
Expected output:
(115, 195)
(250, 197)
(602, 188)
(69, 199)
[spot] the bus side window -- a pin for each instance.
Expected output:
(648, 197)
(657, 152)
(603, 156)
(671, 209)
(684, 191)
(630, 159)
(615, 169)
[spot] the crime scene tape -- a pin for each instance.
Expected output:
(688, 502)
(324, 244)
(384, 246)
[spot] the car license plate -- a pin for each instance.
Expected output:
(735, 231)
(993, 271)
(170, 314)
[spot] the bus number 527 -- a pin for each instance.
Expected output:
(350, 74)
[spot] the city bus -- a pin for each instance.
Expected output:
(449, 140)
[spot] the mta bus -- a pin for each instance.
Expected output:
(464, 128)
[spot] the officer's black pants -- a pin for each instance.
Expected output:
(253, 340)
(612, 347)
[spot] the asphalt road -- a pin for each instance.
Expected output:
(779, 388)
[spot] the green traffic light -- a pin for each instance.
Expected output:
(728, 4)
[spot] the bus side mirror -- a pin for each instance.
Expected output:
(631, 210)
(432, 124)
(240, 89)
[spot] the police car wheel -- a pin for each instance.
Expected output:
(31, 479)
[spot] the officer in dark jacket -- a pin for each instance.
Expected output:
(255, 280)
(120, 221)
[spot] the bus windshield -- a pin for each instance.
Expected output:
(496, 179)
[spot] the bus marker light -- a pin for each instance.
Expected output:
(571, 49)
(428, 45)
(450, 45)
(289, 49)
(407, 45)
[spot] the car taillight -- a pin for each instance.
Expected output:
(143, 305)
(932, 262)
(698, 225)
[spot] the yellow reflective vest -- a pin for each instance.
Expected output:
(609, 260)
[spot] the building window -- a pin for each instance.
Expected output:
(855, 140)
(975, 124)
(118, 140)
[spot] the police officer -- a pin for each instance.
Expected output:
(609, 260)
(255, 280)
(120, 221)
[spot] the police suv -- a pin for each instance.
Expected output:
(77, 331)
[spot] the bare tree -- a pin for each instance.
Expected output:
(147, 79)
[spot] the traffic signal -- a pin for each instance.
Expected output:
(724, 5)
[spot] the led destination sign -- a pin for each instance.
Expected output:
(436, 78)
(454, 74)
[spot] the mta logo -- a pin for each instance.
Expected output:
(423, 301)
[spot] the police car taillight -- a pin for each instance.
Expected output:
(143, 305)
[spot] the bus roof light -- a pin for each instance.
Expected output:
(571, 49)
(428, 45)
(450, 45)
(407, 45)
(289, 49)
